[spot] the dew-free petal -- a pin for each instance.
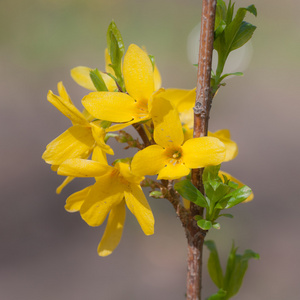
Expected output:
(148, 161)
(139, 206)
(173, 171)
(113, 231)
(202, 152)
(75, 201)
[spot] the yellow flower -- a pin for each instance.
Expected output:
(115, 188)
(140, 82)
(76, 142)
(81, 75)
(173, 158)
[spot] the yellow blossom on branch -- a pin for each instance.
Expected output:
(115, 187)
(173, 158)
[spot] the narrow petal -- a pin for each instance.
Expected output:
(138, 73)
(240, 184)
(99, 155)
(167, 126)
(73, 143)
(63, 92)
(231, 147)
(81, 75)
(202, 152)
(113, 231)
(126, 173)
(148, 161)
(139, 206)
(67, 180)
(104, 195)
(68, 109)
(75, 201)
(77, 167)
(109, 106)
(99, 135)
(157, 79)
(173, 171)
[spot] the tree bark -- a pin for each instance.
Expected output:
(195, 235)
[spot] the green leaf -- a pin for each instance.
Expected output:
(152, 58)
(216, 225)
(238, 196)
(214, 265)
(231, 74)
(114, 31)
(226, 215)
(243, 35)
(252, 10)
(239, 267)
(98, 80)
(114, 52)
(220, 295)
(204, 224)
(188, 191)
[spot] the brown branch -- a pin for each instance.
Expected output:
(141, 131)
(195, 235)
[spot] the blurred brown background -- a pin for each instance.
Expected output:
(47, 253)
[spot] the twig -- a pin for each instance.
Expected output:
(195, 235)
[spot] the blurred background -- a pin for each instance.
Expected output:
(47, 253)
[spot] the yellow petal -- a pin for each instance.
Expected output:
(63, 93)
(81, 75)
(68, 109)
(178, 97)
(103, 196)
(75, 201)
(77, 167)
(173, 171)
(231, 147)
(99, 155)
(202, 152)
(126, 173)
(138, 73)
(113, 231)
(139, 206)
(64, 183)
(109, 106)
(74, 142)
(240, 184)
(167, 126)
(99, 135)
(148, 161)
(157, 79)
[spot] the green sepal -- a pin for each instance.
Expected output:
(202, 223)
(105, 124)
(188, 191)
(126, 160)
(214, 265)
(98, 81)
(155, 194)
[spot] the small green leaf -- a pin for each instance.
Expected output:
(214, 265)
(114, 31)
(204, 224)
(252, 10)
(216, 225)
(243, 35)
(231, 74)
(238, 196)
(152, 58)
(98, 80)
(226, 215)
(114, 52)
(188, 191)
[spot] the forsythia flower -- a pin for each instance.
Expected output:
(81, 75)
(141, 81)
(115, 187)
(79, 140)
(173, 158)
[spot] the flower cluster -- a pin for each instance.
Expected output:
(128, 93)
